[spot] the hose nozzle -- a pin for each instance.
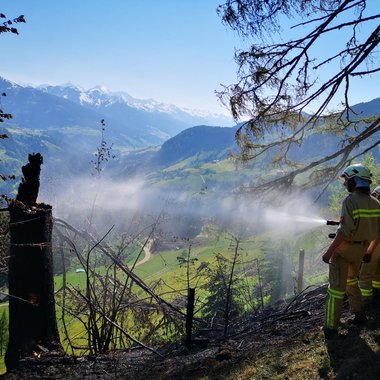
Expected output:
(332, 223)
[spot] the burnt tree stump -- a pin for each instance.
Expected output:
(32, 317)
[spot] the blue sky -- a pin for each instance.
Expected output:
(174, 51)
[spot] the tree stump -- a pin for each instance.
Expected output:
(32, 317)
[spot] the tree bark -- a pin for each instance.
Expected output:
(32, 317)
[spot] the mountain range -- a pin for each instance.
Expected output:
(64, 124)
(67, 118)
(136, 123)
(117, 105)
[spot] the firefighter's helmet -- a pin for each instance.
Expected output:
(357, 170)
(376, 192)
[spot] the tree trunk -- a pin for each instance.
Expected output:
(32, 317)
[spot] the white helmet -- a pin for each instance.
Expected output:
(357, 170)
(376, 192)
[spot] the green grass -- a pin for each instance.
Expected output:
(3, 308)
(186, 174)
(165, 265)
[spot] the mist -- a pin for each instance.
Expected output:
(117, 202)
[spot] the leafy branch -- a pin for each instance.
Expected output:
(8, 25)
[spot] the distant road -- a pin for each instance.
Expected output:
(147, 251)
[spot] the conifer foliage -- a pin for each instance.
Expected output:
(292, 81)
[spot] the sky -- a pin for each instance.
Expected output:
(173, 51)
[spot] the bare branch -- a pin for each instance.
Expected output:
(108, 252)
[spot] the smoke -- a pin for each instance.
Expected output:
(115, 202)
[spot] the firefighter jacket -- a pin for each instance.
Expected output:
(360, 217)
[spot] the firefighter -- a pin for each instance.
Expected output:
(359, 225)
(369, 278)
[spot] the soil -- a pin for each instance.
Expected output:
(147, 251)
(297, 322)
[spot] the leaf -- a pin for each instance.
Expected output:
(20, 18)
(6, 115)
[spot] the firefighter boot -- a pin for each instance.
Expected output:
(376, 299)
(367, 309)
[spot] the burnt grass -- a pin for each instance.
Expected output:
(292, 327)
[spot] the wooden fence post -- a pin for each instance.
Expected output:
(301, 263)
(189, 316)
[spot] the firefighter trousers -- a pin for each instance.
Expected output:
(343, 278)
(369, 277)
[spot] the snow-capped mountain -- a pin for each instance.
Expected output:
(132, 122)
(100, 98)
(65, 121)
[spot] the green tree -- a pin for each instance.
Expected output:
(219, 286)
(280, 79)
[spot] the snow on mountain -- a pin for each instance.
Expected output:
(101, 97)
(7, 84)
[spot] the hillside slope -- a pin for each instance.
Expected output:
(286, 342)
(194, 141)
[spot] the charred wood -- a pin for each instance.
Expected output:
(32, 318)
